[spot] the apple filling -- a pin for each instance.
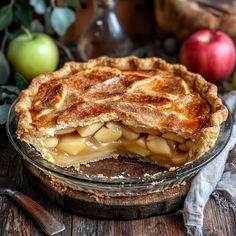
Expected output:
(99, 140)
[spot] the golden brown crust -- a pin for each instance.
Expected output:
(139, 92)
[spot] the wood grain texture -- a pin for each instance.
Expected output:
(14, 221)
(119, 208)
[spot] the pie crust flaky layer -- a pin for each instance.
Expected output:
(138, 93)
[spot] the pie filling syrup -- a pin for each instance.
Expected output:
(98, 140)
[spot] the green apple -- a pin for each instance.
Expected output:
(33, 54)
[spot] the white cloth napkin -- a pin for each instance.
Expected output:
(217, 178)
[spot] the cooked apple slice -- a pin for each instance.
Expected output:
(66, 161)
(71, 144)
(113, 126)
(129, 134)
(135, 148)
(182, 147)
(172, 144)
(106, 135)
(174, 137)
(185, 146)
(150, 137)
(146, 131)
(88, 130)
(51, 142)
(180, 159)
(189, 143)
(66, 131)
(159, 146)
(159, 158)
(141, 142)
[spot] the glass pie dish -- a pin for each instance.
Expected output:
(114, 177)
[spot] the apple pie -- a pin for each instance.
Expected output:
(142, 108)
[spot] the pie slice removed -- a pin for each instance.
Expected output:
(143, 108)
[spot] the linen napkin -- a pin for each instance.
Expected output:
(218, 178)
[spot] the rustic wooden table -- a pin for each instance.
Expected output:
(15, 221)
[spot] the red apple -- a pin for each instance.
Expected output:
(209, 53)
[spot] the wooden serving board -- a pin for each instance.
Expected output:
(133, 207)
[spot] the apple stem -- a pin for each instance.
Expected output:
(27, 31)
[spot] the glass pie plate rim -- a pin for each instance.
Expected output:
(115, 185)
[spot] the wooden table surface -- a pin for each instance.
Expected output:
(15, 221)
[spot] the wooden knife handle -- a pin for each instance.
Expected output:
(48, 223)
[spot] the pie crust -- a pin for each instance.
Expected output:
(89, 111)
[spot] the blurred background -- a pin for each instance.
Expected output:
(38, 36)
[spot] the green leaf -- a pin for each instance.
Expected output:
(73, 3)
(8, 94)
(39, 6)
(9, 89)
(61, 19)
(23, 14)
(21, 82)
(4, 113)
(4, 69)
(36, 26)
(5, 17)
